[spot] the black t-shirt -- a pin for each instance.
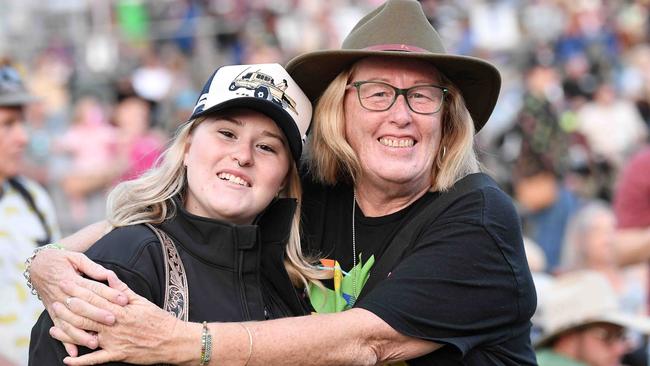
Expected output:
(465, 283)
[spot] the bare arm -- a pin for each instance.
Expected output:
(83, 239)
(632, 245)
(354, 337)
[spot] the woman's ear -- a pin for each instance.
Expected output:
(186, 152)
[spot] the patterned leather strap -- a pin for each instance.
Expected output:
(176, 290)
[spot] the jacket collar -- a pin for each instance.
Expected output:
(217, 241)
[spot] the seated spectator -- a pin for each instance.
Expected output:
(545, 204)
(589, 244)
(582, 323)
(632, 209)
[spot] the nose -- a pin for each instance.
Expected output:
(242, 155)
(401, 114)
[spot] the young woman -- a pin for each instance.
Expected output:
(211, 233)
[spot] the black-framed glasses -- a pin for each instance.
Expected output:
(379, 96)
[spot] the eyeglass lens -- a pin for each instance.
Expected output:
(378, 96)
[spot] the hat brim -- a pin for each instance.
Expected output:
(478, 81)
(17, 99)
(275, 112)
(637, 323)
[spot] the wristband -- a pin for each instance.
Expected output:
(28, 263)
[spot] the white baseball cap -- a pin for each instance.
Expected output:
(266, 88)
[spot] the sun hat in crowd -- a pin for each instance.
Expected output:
(578, 299)
(12, 90)
(266, 88)
(399, 28)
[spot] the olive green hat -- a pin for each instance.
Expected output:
(400, 29)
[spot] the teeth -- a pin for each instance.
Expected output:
(233, 179)
(396, 143)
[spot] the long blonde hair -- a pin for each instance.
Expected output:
(332, 159)
(149, 199)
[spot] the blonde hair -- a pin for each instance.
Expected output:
(149, 199)
(332, 159)
(575, 248)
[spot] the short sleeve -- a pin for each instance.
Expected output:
(466, 282)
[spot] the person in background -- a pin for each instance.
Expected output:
(545, 204)
(582, 324)
(632, 209)
(590, 244)
(139, 145)
(27, 221)
(392, 143)
(88, 148)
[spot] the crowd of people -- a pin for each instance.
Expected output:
(568, 138)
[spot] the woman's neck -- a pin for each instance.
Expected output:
(377, 201)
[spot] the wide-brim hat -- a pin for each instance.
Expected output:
(12, 90)
(400, 29)
(266, 88)
(578, 299)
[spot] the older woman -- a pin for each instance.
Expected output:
(392, 144)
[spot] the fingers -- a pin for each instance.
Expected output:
(89, 300)
(99, 273)
(98, 357)
(87, 310)
(68, 344)
(110, 294)
(75, 327)
(57, 333)
(71, 349)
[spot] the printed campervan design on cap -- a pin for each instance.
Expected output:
(264, 87)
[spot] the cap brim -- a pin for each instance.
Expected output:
(275, 112)
(17, 99)
(478, 80)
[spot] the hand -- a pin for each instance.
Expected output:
(140, 335)
(56, 275)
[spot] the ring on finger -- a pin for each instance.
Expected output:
(68, 300)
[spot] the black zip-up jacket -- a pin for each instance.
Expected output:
(234, 272)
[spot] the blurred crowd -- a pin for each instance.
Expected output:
(568, 138)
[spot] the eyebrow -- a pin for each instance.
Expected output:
(416, 82)
(265, 132)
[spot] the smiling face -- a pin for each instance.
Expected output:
(396, 147)
(236, 164)
(13, 139)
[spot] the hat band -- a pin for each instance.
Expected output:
(396, 47)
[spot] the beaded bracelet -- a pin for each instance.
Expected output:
(28, 264)
(206, 345)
